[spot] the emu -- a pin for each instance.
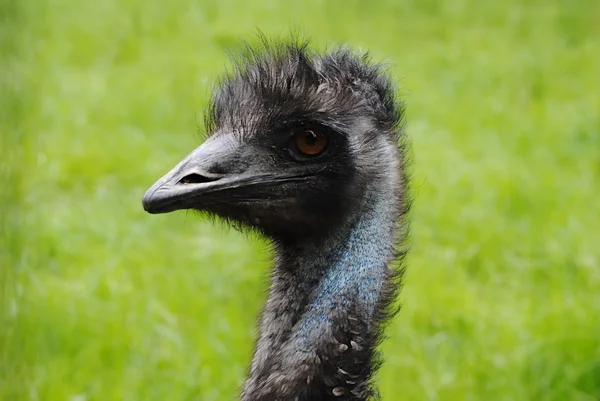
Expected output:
(308, 149)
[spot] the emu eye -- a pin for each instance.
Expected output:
(310, 143)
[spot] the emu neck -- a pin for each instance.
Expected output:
(348, 268)
(320, 325)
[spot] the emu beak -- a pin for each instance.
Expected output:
(211, 167)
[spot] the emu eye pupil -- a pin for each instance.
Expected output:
(310, 143)
(311, 138)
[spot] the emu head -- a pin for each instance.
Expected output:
(295, 138)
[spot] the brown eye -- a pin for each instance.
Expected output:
(310, 143)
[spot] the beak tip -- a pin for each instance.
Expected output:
(146, 205)
(162, 198)
(148, 201)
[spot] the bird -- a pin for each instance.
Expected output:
(308, 148)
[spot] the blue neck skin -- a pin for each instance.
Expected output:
(350, 268)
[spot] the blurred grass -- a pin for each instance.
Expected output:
(103, 302)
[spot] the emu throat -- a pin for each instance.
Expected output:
(322, 318)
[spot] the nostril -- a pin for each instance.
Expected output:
(196, 179)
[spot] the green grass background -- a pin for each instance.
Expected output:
(99, 98)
